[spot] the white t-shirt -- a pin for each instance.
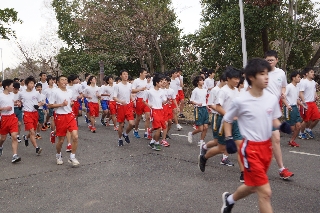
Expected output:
(58, 97)
(137, 84)
(209, 84)
(92, 92)
(309, 89)
(22, 88)
(292, 94)
(226, 96)
(175, 84)
(15, 97)
(199, 96)
(123, 92)
(255, 115)
(29, 99)
(76, 91)
(180, 79)
(84, 84)
(155, 98)
(5, 101)
(277, 80)
(149, 85)
(108, 90)
(42, 99)
(213, 95)
(44, 85)
(47, 92)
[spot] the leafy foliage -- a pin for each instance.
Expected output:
(8, 16)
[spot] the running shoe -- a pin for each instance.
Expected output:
(69, 148)
(293, 144)
(304, 136)
(93, 129)
(38, 150)
(59, 161)
(38, 136)
(200, 143)
(241, 177)
(18, 139)
(48, 125)
(126, 138)
(157, 147)
(103, 123)
(165, 143)
(1, 151)
(26, 142)
(74, 161)
(190, 137)
(86, 119)
(202, 163)
(151, 145)
(52, 137)
(179, 127)
(136, 134)
(167, 136)
(203, 150)
(285, 174)
(15, 159)
(43, 128)
(299, 136)
(309, 134)
(120, 142)
(226, 162)
(226, 207)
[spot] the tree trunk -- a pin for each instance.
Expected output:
(265, 39)
(160, 54)
(314, 59)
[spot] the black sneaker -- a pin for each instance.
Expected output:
(226, 208)
(1, 151)
(167, 136)
(18, 139)
(26, 142)
(120, 143)
(38, 150)
(226, 162)
(202, 163)
(126, 138)
(151, 145)
(203, 151)
(103, 123)
(15, 159)
(241, 177)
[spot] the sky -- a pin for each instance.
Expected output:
(35, 17)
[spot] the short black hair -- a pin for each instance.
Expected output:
(38, 85)
(255, 66)
(16, 79)
(86, 75)
(172, 72)
(271, 53)
(6, 83)
(42, 73)
(294, 74)
(168, 79)
(29, 79)
(90, 79)
(130, 78)
(72, 77)
(196, 80)
(49, 77)
(148, 76)
(21, 80)
(118, 79)
(307, 69)
(240, 82)
(232, 72)
(157, 78)
(142, 70)
(210, 71)
(223, 77)
(122, 71)
(16, 85)
(61, 76)
(107, 78)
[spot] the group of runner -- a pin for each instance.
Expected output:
(244, 107)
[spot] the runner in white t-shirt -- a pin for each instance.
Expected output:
(174, 84)
(112, 105)
(180, 95)
(84, 84)
(209, 83)
(41, 112)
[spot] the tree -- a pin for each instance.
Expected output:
(8, 16)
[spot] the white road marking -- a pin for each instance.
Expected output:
(304, 153)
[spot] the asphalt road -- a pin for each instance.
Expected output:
(134, 178)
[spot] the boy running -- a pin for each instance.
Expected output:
(17, 108)
(9, 121)
(40, 111)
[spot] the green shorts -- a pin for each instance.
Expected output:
(214, 128)
(292, 116)
(201, 116)
(235, 131)
(18, 113)
(50, 112)
(41, 116)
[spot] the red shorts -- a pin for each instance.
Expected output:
(93, 109)
(30, 120)
(158, 119)
(113, 107)
(168, 114)
(312, 113)
(180, 96)
(256, 158)
(9, 124)
(124, 112)
(75, 108)
(141, 107)
(280, 103)
(64, 123)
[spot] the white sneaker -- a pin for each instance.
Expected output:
(179, 127)
(200, 143)
(74, 161)
(190, 137)
(59, 161)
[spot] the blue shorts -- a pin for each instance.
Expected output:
(86, 104)
(45, 107)
(80, 102)
(104, 104)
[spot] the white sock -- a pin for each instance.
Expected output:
(18, 136)
(72, 156)
(205, 146)
(230, 199)
(69, 144)
(146, 133)
(58, 155)
(224, 156)
(308, 129)
(14, 155)
(152, 141)
(125, 134)
(201, 141)
(281, 169)
(157, 142)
